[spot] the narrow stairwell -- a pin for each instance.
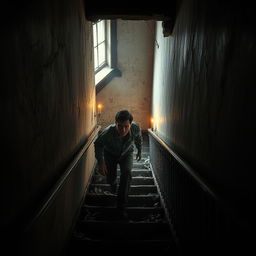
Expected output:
(100, 229)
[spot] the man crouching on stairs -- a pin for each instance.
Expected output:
(115, 145)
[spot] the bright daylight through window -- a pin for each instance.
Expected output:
(99, 43)
(105, 52)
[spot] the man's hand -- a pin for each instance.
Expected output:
(102, 168)
(138, 156)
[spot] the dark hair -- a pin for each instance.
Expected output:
(123, 115)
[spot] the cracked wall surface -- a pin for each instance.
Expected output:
(203, 94)
(132, 91)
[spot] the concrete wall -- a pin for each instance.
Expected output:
(203, 95)
(132, 91)
(47, 113)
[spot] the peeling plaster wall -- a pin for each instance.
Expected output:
(132, 91)
(47, 112)
(203, 94)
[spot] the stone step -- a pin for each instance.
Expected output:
(99, 179)
(136, 166)
(124, 230)
(149, 214)
(163, 246)
(139, 164)
(134, 189)
(150, 200)
(139, 172)
(144, 155)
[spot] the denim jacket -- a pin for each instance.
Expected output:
(110, 142)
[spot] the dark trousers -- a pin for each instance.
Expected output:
(126, 163)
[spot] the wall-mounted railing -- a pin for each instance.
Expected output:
(59, 184)
(197, 216)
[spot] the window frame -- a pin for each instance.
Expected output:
(97, 44)
(105, 74)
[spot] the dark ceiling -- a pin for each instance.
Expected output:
(130, 10)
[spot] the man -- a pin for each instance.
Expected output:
(115, 145)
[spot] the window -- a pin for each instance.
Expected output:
(105, 52)
(99, 44)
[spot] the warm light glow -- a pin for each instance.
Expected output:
(152, 124)
(99, 108)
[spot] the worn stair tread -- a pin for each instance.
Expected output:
(149, 214)
(138, 165)
(100, 216)
(135, 172)
(106, 185)
(133, 200)
(144, 156)
(144, 167)
(163, 246)
(127, 224)
(156, 241)
(101, 177)
(129, 209)
(134, 189)
(139, 172)
(155, 195)
(124, 229)
(135, 180)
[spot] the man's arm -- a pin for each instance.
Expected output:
(138, 143)
(99, 153)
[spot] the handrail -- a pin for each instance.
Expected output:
(53, 192)
(186, 166)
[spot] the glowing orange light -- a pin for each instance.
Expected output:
(99, 108)
(152, 124)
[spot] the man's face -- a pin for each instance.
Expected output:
(123, 127)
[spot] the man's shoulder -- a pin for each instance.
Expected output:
(135, 124)
(135, 127)
(107, 130)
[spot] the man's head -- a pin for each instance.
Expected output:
(123, 122)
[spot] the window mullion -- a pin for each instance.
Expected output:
(98, 62)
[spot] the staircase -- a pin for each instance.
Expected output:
(100, 229)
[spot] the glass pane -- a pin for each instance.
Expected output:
(101, 31)
(94, 35)
(96, 64)
(102, 54)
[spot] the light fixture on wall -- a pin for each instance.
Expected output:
(99, 109)
(152, 124)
